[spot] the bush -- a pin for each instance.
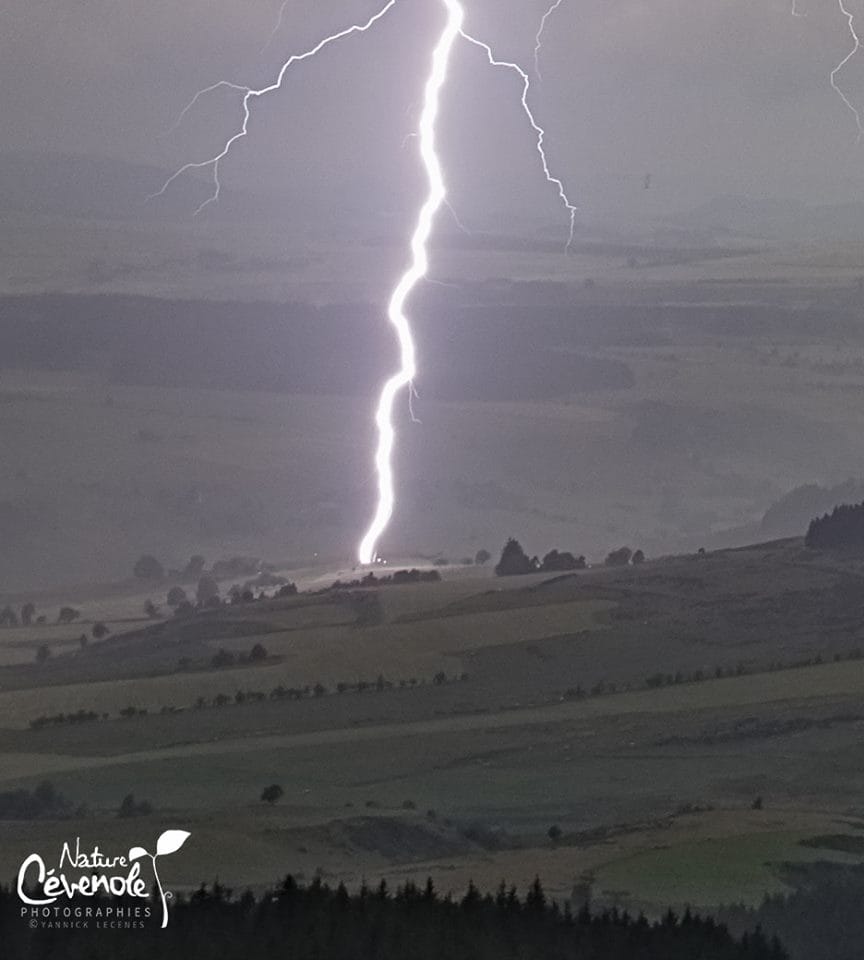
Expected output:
(271, 794)
(482, 557)
(44, 801)
(99, 630)
(176, 596)
(638, 557)
(619, 558)
(43, 653)
(223, 659)
(555, 561)
(184, 609)
(147, 567)
(68, 615)
(194, 568)
(258, 652)
(129, 807)
(207, 590)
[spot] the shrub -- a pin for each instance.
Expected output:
(224, 658)
(555, 561)
(176, 596)
(619, 558)
(68, 615)
(129, 807)
(147, 567)
(271, 794)
(206, 590)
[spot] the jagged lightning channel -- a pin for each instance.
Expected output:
(571, 208)
(416, 271)
(538, 40)
(249, 94)
(277, 26)
(436, 197)
(850, 19)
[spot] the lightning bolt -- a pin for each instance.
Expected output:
(538, 40)
(571, 208)
(850, 19)
(436, 198)
(250, 94)
(415, 272)
(278, 25)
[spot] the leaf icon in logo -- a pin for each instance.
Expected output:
(137, 852)
(171, 841)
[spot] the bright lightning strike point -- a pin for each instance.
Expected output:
(416, 271)
(850, 18)
(538, 40)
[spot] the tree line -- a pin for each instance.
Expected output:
(843, 528)
(516, 562)
(317, 922)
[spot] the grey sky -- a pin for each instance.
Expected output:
(711, 96)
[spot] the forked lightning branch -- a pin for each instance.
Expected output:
(441, 51)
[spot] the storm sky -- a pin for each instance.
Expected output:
(711, 97)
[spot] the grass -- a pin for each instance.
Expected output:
(500, 751)
(707, 873)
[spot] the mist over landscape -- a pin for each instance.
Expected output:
(608, 661)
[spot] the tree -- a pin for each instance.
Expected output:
(619, 558)
(554, 833)
(184, 609)
(129, 807)
(271, 794)
(147, 567)
(28, 611)
(482, 557)
(151, 611)
(68, 615)
(224, 658)
(176, 596)
(195, 567)
(258, 653)
(638, 557)
(8, 617)
(100, 630)
(206, 590)
(514, 561)
(43, 653)
(555, 561)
